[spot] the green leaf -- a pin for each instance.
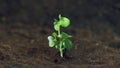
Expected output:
(56, 25)
(51, 41)
(64, 22)
(65, 36)
(54, 34)
(67, 44)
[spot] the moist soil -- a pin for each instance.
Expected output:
(26, 46)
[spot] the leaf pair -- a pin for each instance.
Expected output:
(63, 21)
(54, 40)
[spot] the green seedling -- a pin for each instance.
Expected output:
(60, 40)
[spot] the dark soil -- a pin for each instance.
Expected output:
(26, 24)
(27, 47)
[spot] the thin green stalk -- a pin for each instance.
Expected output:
(61, 51)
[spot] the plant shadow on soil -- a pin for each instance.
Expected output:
(27, 47)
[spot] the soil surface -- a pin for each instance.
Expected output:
(26, 24)
(26, 46)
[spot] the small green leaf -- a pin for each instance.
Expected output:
(57, 27)
(54, 34)
(64, 22)
(67, 44)
(51, 41)
(65, 36)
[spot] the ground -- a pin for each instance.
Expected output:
(26, 24)
(26, 46)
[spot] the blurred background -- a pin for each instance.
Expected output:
(93, 14)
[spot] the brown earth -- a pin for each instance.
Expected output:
(26, 24)
(26, 46)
